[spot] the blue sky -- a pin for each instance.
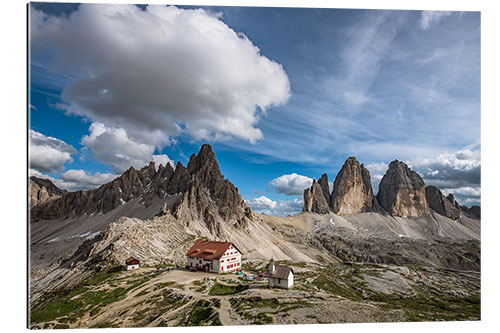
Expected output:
(282, 94)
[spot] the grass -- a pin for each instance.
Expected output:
(222, 289)
(73, 303)
(202, 313)
(257, 309)
(159, 305)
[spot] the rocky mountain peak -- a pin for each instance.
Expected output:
(402, 191)
(455, 204)
(316, 199)
(199, 188)
(441, 204)
(352, 189)
(325, 187)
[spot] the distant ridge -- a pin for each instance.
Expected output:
(42, 190)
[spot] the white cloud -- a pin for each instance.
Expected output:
(292, 184)
(450, 170)
(377, 167)
(377, 171)
(84, 178)
(161, 71)
(282, 208)
(114, 147)
(61, 183)
(48, 154)
(466, 191)
(429, 18)
(288, 207)
(162, 159)
(261, 203)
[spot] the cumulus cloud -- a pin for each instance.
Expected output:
(450, 170)
(282, 208)
(72, 183)
(114, 147)
(48, 154)
(292, 184)
(160, 71)
(288, 207)
(261, 203)
(377, 171)
(429, 18)
(85, 178)
(162, 159)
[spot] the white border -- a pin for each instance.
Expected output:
(13, 163)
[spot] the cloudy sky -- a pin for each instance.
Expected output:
(282, 94)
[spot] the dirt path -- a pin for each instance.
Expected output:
(224, 316)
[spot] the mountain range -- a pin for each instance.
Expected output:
(402, 192)
(155, 213)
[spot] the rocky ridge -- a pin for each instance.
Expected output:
(196, 192)
(42, 190)
(402, 192)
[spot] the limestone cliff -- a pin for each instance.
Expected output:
(352, 189)
(402, 191)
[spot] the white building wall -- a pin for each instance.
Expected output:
(290, 280)
(131, 267)
(195, 262)
(282, 283)
(232, 257)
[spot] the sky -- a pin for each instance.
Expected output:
(283, 95)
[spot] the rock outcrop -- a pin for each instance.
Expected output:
(209, 196)
(352, 190)
(315, 200)
(441, 204)
(42, 190)
(196, 191)
(402, 191)
(455, 204)
(473, 212)
(325, 188)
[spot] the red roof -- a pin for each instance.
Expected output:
(132, 261)
(209, 249)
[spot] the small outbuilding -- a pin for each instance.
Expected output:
(131, 263)
(279, 276)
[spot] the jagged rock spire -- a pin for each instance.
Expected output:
(352, 189)
(200, 188)
(314, 199)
